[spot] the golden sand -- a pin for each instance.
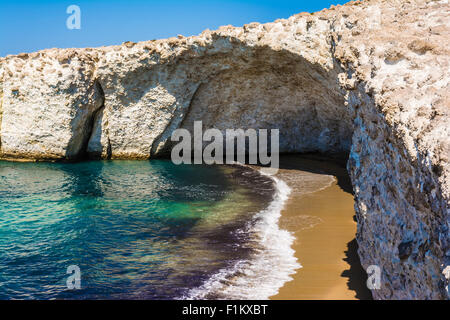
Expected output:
(320, 214)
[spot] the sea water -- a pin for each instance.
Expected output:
(140, 230)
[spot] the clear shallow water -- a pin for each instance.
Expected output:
(136, 229)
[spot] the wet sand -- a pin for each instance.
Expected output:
(320, 214)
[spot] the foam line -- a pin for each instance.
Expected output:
(268, 269)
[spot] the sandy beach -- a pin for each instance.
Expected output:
(320, 214)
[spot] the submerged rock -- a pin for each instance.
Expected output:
(370, 78)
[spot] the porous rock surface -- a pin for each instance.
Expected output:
(369, 78)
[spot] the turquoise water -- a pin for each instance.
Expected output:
(136, 229)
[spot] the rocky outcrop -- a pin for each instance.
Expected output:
(370, 78)
(47, 105)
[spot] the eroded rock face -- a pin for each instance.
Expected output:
(370, 78)
(47, 105)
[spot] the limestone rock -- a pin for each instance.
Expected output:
(48, 101)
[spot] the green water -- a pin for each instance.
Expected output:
(136, 229)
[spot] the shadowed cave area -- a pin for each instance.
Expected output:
(271, 90)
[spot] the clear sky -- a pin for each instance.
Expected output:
(27, 25)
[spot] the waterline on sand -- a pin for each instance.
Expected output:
(270, 266)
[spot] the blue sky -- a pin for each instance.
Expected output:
(27, 26)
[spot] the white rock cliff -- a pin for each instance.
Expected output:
(368, 78)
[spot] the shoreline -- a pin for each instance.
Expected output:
(319, 213)
(253, 277)
(304, 238)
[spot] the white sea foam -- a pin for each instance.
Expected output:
(268, 269)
